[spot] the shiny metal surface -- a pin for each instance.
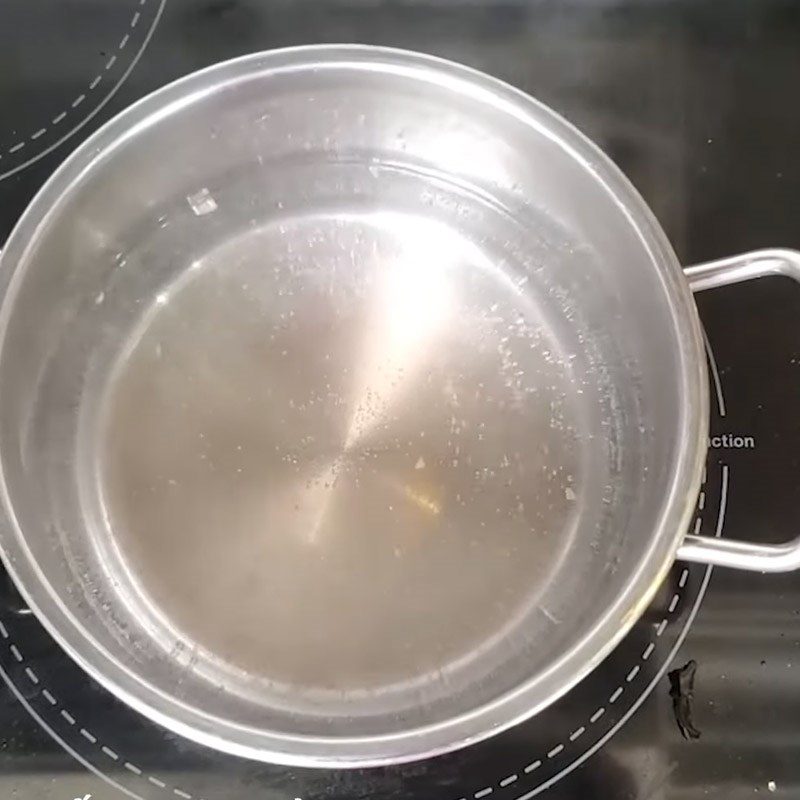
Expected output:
(334, 433)
(740, 554)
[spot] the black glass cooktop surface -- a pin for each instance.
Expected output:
(697, 102)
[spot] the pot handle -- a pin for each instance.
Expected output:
(727, 552)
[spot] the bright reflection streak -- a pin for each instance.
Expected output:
(413, 304)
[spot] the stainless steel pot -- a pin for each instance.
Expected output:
(353, 406)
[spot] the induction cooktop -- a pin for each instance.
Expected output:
(696, 101)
